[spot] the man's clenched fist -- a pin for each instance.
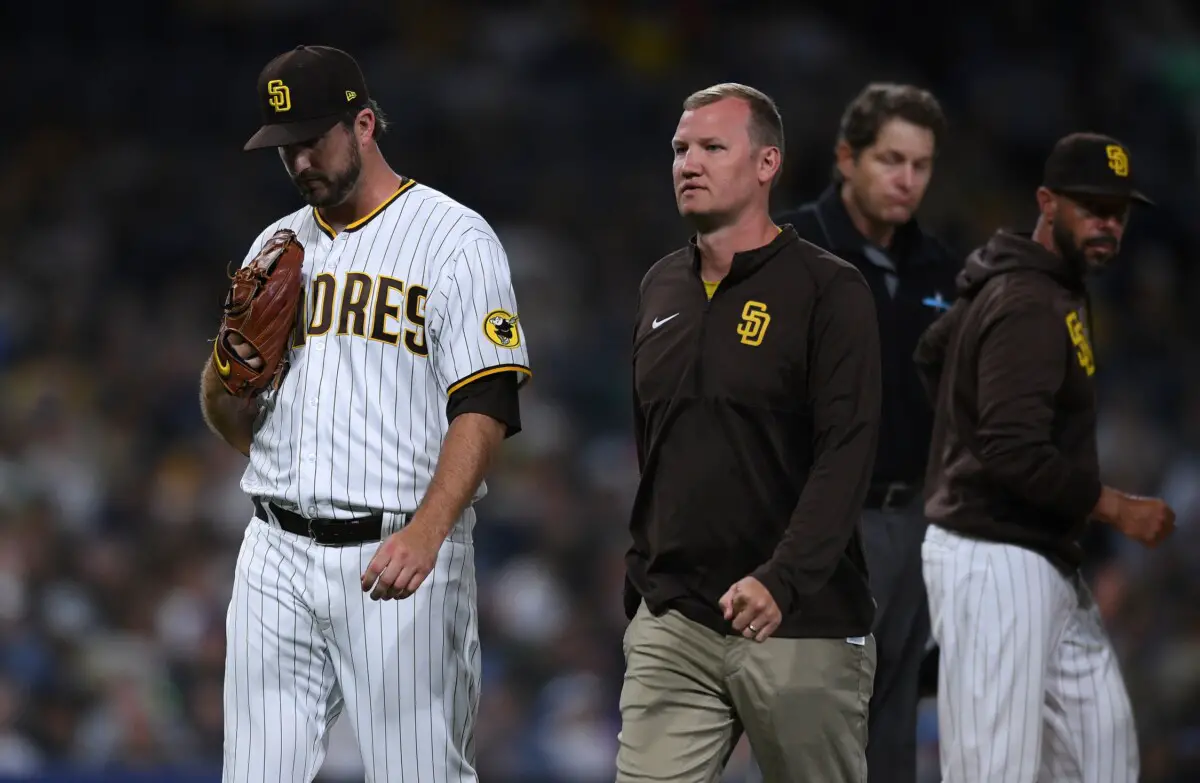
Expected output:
(1148, 520)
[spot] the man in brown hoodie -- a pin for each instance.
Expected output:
(1028, 687)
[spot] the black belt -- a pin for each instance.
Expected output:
(891, 496)
(327, 532)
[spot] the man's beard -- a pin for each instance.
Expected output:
(1076, 254)
(338, 188)
(1072, 253)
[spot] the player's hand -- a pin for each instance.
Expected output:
(749, 605)
(245, 351)
(401, 563)
(1148, 520)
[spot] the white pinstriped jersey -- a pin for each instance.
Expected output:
(400, 309)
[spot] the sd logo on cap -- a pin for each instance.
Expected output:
(304, 92)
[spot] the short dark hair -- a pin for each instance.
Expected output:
(766, 123)
(880, 102)
(381, 121)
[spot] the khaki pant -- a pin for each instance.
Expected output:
(689, 693)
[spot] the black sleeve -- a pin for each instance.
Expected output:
(845, 396)
(950, 265)
(492, 395)
(933, 346)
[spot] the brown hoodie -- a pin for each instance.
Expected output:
(1010, 371)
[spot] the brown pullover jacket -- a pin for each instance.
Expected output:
(756, 416)
(1010, 367)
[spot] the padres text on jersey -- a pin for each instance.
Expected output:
(400, 309)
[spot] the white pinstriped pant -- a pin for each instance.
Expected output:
(305, 643)
(1029, 687)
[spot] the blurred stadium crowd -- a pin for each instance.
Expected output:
(124, 194)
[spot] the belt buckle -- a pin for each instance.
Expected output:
(894, 488)
(318, 537)
(326, 532)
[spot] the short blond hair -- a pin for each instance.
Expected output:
(766, 124)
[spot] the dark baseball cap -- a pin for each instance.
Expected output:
(1091, 164)
(304, 92)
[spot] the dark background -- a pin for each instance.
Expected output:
(124, 195)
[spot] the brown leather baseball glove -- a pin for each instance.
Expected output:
(260, 307)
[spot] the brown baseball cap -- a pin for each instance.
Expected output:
(304, 92)
(1091, 164)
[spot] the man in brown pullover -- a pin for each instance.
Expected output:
(1029, 687)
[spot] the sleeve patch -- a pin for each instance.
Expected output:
(500, 327)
